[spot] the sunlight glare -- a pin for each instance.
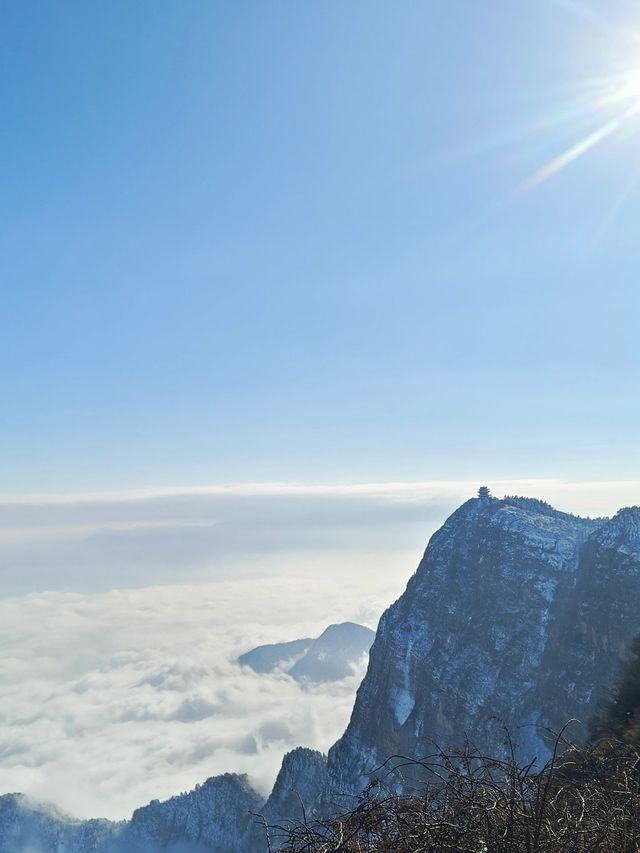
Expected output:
(610, 104)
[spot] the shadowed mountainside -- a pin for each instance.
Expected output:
(330, 657)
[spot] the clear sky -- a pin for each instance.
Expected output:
(269, 240)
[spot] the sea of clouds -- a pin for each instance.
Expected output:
(109, 700)
(121, 618)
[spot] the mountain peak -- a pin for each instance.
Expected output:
(329, 657)
(493, 625)
(516, 516)
(340, 630)
(622, 531)
(334, 654)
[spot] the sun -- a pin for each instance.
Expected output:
(621, 88)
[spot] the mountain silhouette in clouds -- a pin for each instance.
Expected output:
(330, 657)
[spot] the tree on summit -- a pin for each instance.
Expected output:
(484, 492)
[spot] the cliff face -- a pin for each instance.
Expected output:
(302, 777)
(602, 615)
(214, 816)
(516, 612)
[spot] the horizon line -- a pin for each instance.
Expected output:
(407, 489)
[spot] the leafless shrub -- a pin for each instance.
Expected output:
(584, 799)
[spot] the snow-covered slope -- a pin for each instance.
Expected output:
(517, 611)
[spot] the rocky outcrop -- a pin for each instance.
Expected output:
(214, 816)
(517, 617)
(303, 773)
(302, 776)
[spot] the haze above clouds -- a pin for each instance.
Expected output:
(140, 538)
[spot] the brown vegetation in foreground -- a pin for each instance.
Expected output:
(585, 799)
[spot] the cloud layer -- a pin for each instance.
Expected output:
(109, 700)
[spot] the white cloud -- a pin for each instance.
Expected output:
(109, 700)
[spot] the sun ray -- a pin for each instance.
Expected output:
(557, 164)
(569, 156)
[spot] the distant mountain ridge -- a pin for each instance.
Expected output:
(215, 816)
(330, 657)
(516, 611)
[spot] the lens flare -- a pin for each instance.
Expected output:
(616, 100)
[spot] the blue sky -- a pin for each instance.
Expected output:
(290, 241)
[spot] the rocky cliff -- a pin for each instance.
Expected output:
(517, 616)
